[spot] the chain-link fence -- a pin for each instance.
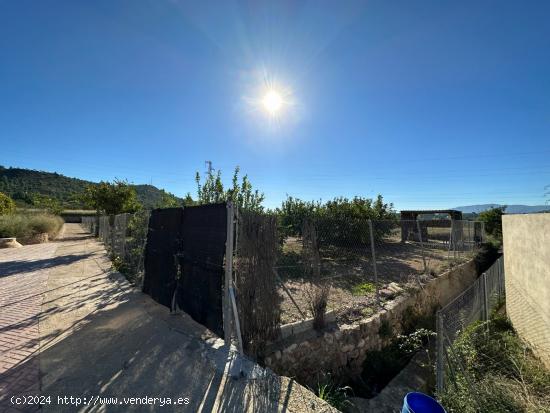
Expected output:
(124, 236)
(365, 262)
(475, 304)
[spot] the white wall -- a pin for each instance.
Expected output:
(527, 272)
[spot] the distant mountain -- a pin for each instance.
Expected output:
(22, 184)
(510, 209)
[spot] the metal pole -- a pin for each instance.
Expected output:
(236, 319)
(470, 241)
(421, 246)
(450, 240)
(288, 293)
(374, 263)
(228, 285)
(439, 367)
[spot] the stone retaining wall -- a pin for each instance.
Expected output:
(341, 351)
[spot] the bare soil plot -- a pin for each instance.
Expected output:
(350, 273)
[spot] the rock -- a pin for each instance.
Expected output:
(290, 348)
(387, 293)
(9, 243)
(395, 287)
(36, 239)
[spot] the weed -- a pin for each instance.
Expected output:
(318, 300)
(497, 372)
(333, 394)
(363, 288)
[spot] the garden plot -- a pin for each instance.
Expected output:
(350, 273)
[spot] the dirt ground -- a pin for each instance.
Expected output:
(350, 273)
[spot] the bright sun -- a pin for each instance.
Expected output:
(272, 102)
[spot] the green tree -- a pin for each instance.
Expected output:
(111, 198)
(240, 193)
(493, 221)
(340, 221)
(7, 206)
(167, 200)
(53, 206)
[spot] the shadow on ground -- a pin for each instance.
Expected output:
(22, 267)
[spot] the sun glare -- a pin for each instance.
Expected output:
(273, 102)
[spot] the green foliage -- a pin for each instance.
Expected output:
(22, 185)
(7, 206)
(27, 225)
(497, 372)
(51, 205)
(486, 256)
(363, 288)
(381, 366)
(333, 394)
(168, 200)
(111, 198)
(340, 222)
(241, 193)
(493, 221)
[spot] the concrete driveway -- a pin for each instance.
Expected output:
(72, 327)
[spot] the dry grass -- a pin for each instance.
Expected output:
(27, 225)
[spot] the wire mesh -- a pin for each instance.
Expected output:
(124, 237)
(475, 304)
(367, 261)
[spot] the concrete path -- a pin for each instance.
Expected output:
(96, 339)
(23, 278)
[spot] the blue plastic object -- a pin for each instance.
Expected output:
(416, 402)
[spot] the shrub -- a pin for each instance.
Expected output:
(7, 206)
(333, 394)
(381, 366)
(493, 221)
(486, 256)
(27, 225)
(497, 372)
(340, 222)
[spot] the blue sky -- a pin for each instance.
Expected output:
(430, 103)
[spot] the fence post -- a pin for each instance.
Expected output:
(439, 366)
(485, 297)
(227, 308)
(450, 240)
(421, 246)
(374, 263)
